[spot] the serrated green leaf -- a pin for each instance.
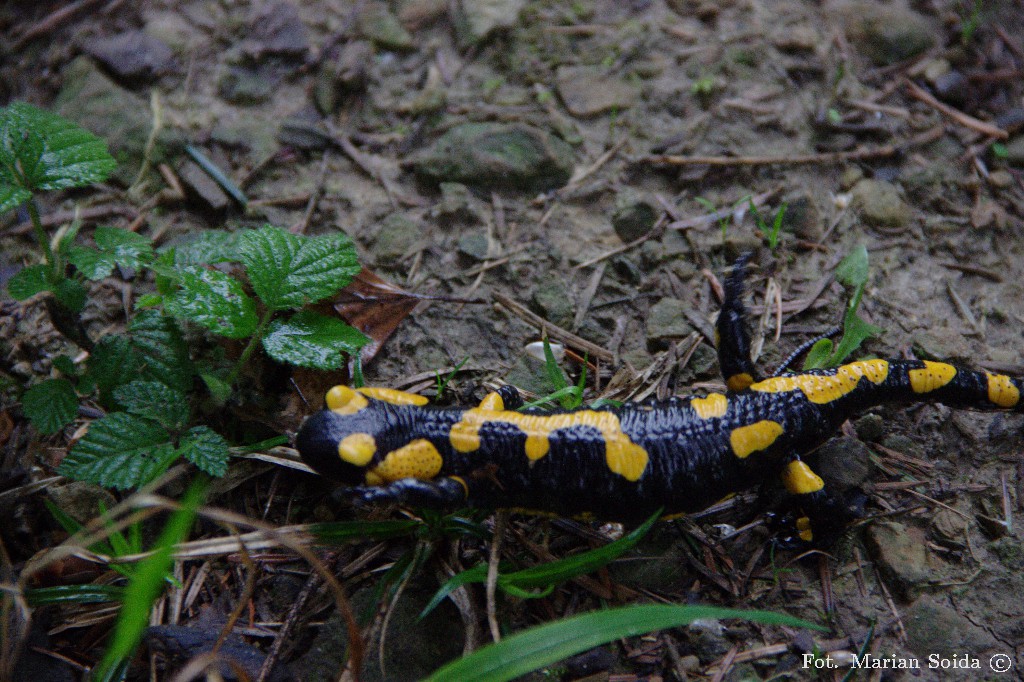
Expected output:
(289, 271)
(125, 247)
(65, 365)
(162, 351)
(12, 197)
(40, 150)
(120, 451)
(149, 301)
(853, 270)
(71, 294)
(153, 400)
(207, 248)
(547, 644)
(113, 362)
(92, 263)
(207, 449)
(214, 300)
(310, 339)
(28, 282)
(50, 405)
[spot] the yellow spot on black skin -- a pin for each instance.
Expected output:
(803, 527)
(799, 479)
(492, 402)
(1001, 391)
(393, 396)
(824, 388)
(357, 449)
(754, 437)
(622, 456)
(343, 400)
(934, 375)
(418, 459)
(714, 405)
(739, 382)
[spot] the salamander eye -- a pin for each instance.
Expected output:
(328, 443)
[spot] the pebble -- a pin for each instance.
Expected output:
(634, 215)
(887, 34)
(202, 190)
(591, 90)
(901, 556)
(276, 29)
(476, 20)
(880, 204)
(667, 320)
(377, 23)
(132, 56)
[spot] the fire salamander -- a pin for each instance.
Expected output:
(624, 463)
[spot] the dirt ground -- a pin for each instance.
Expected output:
(893, 126)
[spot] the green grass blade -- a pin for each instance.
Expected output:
(73, 594)
(547, 644)
(145, 587)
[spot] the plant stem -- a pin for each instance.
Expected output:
(44, 241)
(254, 340)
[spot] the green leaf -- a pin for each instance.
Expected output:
(40, 150)
(853, 270)
(289, 271)
(220, 390)
(547, 575)
(12, 197)
(213, 300)
(855, 331)
(207, 449)
(213, 246)
(156, 401)
(71, 294)
(145, 587)
(162, 351)
(50, 405)
(65, 365)
(547, 644)
(28, 282)
(73, 594)
(90, 262)
(120, 451)
(310, 339)
(819, 354)
(114, 245)
(113, 361)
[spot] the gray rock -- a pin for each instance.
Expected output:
(934, 628)
(396, 238)
(476, 20)
(887, 34)
(634, 215)
(377, 23)
(276, 29)
(870, 427)
(802, 217)
(591, 90)
(1015, 151)
(901, 556)
(554, 302)
(244, 86)
(497, 156)
(132, 56)
(202, 190)
(667, 320)
(80, 500)
(529, 374)
(474, 245)
(124, 120)
(844, 463)
(880, 203)
(340, 77)
(456, 203)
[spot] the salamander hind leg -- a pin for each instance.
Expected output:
(819, 516)
(440, 493)
(731, 332)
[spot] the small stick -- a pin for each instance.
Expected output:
(52, 22)
(960, 117)
(554, 331)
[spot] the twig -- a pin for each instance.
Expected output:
(859, 154)
(917, 92)
(85, 214)
(552, 330)
(52, 22)
(710, 218)
(500, 521)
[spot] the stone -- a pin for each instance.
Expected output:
(870, 427)
(803, 218)
(497, 156)
(377, 23)
(902, 557)
(880, 204)
(244, 86)
(1015, 151)
(340, 77)
(476, 20)
(530, 374)
(667, 320)
(474, 245)
(80, 500)
(276, 29)
(592, 90)
(554, 302)
(202, 190)
(887, 34)
(396, 238)
(132, 56)
(634, 215)
(933, 628)
(456, 204)
(123, 119)
(844, 463)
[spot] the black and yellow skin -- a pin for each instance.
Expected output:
(624, 463)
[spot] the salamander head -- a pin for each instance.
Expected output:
(341, 441)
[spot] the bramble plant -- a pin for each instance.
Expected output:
(144, 378)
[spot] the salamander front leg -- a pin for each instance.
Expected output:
(731, 332)
(822, 516)
(440, 493)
